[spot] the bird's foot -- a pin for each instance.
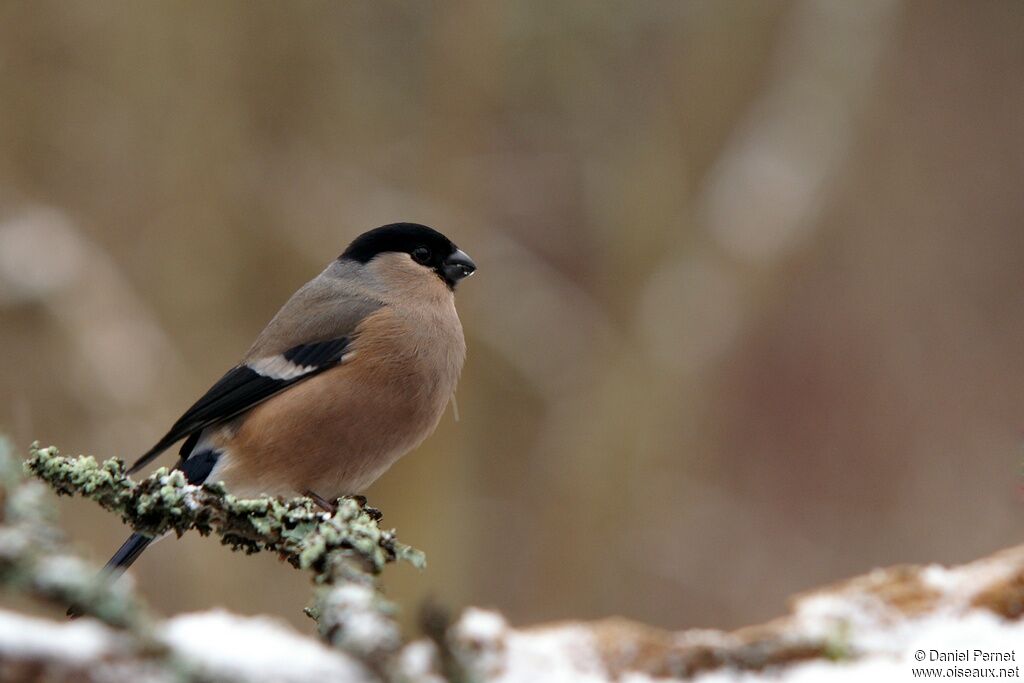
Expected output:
(322, 502)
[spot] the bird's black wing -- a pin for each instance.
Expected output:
(243, 386)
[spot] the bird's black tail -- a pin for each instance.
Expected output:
(127, 553)
(122, 559)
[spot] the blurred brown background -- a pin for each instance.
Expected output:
(748, 317)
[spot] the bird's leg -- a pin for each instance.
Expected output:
(322, 502)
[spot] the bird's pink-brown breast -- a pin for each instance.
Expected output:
(335, 433)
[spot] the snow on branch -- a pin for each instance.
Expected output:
(878, 626)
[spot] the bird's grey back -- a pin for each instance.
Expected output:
(329, 306)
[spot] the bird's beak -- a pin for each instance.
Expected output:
(457, 266)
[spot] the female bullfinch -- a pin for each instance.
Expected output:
(352, 373)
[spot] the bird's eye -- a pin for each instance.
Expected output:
(421, 254)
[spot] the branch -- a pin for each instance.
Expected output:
(346, 545)
(35, 560)
(343, 550)
(876, 626)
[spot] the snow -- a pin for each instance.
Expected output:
(189, 498)
(976, 630)
(480, 625)
(361, 625)
(219, 644)
(554, 654)
(887, 622)
(71, 642)
(885, 639)
(567, 653)
(966, 581)
(881, 621)
(257, 649)
(418, 662)
(216, 643)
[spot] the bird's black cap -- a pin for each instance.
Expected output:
(400, 237)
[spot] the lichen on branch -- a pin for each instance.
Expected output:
(344, 550)
(347, 544)
(36, 561)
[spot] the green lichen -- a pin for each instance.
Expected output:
(164, 502)
(343, 550)
(35, 560)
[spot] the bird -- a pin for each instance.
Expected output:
(353, 372)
